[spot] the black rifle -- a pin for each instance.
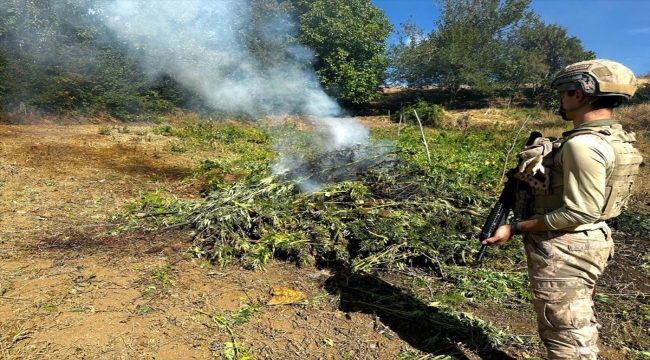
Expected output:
(504, 204)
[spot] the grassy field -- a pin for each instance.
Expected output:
(174, 240)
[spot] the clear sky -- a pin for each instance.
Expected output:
(618, 30)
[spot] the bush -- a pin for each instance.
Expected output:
(429, 114)
(631, 224)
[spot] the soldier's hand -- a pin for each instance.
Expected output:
(501, 235)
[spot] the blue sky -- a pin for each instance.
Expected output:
(618, 30)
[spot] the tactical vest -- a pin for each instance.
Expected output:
(620, 179)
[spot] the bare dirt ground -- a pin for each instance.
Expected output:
(74, 287)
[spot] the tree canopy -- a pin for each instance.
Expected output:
(86, 57)
(488, 44)
(349, 38)
(60, 58)
(75, 56)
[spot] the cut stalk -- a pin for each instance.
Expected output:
(424, 140)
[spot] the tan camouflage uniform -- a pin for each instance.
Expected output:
(565, 263)
(581, 180)
(563, 268)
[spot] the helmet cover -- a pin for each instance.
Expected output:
(598, 77)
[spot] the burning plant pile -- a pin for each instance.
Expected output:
(347, 201)
(368, 206)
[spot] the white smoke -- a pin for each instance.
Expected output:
(199, 44)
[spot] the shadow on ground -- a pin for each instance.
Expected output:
(425, 328)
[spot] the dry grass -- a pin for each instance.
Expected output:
(635, 117)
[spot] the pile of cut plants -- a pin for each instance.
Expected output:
(385, 209)
(379, 205)
(389, 206)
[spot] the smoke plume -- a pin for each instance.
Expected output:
(203, 45)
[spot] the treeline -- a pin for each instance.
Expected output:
(491, 45)
(65, 56)
(68, 57)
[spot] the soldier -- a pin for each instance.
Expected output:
(588, 174)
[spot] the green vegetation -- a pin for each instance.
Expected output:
(632, 224)
(388, 207)
(104, 130)
(349, 38)
(429, 114)
(77, 65)
(75, 62)
(388, 211)
(233, 350)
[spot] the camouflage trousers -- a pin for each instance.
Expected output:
(563, 269)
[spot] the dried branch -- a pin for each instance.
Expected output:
(514, 143)
(424, 140)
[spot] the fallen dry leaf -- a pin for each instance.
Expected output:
(284, 296)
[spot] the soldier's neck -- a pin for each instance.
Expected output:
(592, 115)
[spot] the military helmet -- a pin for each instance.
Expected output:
(598, 77)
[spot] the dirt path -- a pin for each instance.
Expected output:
(73, 287)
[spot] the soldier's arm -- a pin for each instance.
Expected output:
(584, 161)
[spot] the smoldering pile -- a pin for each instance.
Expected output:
(365, 163)
(368, 206)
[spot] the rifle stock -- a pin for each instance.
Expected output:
(499, 213)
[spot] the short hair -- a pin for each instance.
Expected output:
(607, 102)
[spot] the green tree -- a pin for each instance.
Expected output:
(487, 44)
(268, 32)
(349, 40)
(518, 66)
(412, 58)
(60, 57)
(533, 53)
(550, 49)
(464, 48)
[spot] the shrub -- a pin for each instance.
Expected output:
(104, 130)
(429, 114)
